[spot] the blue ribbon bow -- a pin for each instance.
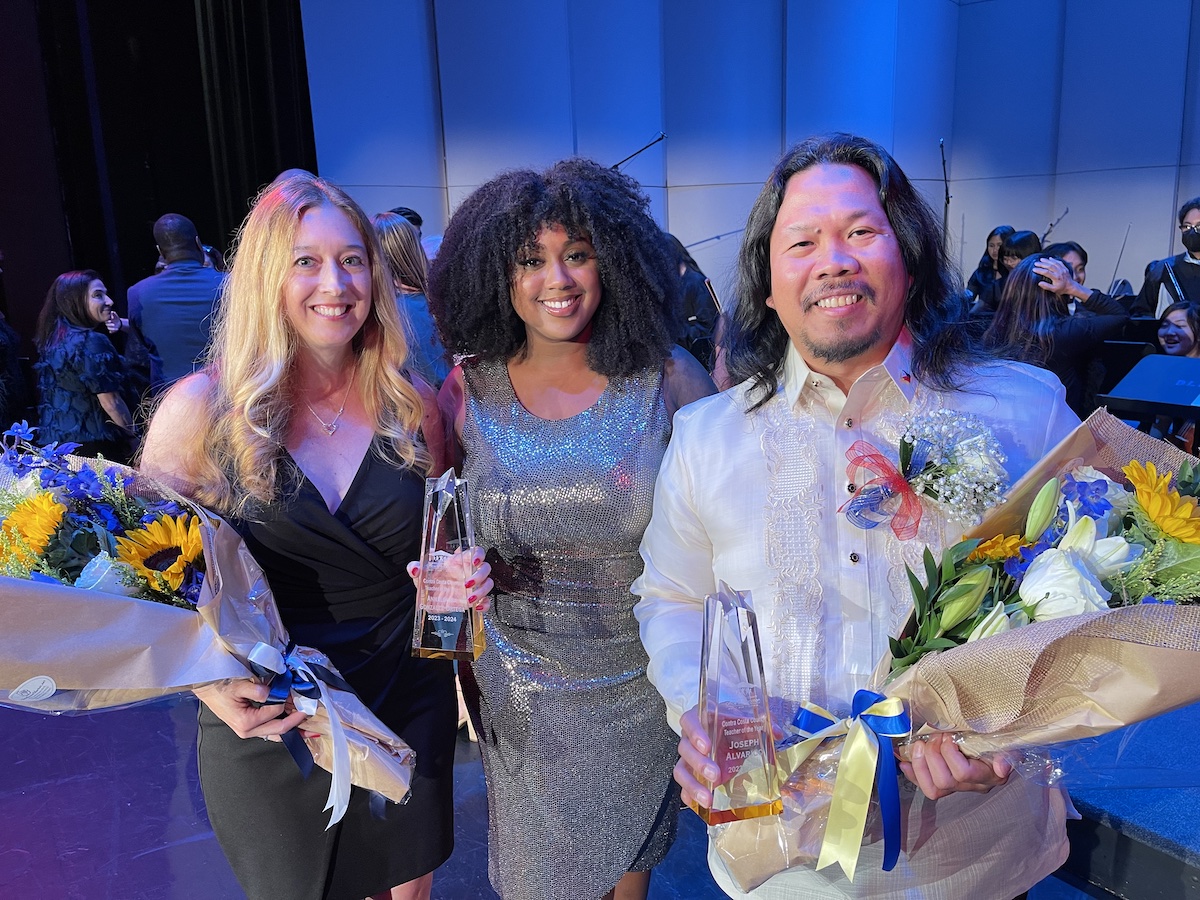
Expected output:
(887, 780)
(294, 677)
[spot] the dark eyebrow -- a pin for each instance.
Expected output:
(852, 216)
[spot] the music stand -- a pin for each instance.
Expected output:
(1159, 385)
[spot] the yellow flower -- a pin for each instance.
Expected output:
(997, 549)
(1174, 516)
(163, 549)
(30, 525)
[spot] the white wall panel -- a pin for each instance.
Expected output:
(617, 80)
(376, 114)
(841, 68)
(1103, 203)
(1191, 99)
(1006, 104)
(1124, 74)
(926, 63)
(723, 90)
(1092, 104)
(980, 204)
(707, 214)
(506, 87)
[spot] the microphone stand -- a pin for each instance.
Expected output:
(1046, 234)
(661, 136)
(1119, 255)
(946, 208)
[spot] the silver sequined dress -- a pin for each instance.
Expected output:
(575, 745)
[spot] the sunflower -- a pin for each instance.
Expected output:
(1173, 515)
(997, 549)
(163, 549)
(29, 527)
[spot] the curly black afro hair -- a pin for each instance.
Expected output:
(635, 325)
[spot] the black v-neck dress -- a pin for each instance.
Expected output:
(340, 584)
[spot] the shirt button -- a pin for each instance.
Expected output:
(849, 423)
(853, 557)
(852, 487)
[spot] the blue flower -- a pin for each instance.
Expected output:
(1156, 600)
(21, 431)
(20, 464)
(51, 476)
(161, 508)
(117, 478)
(1090, 497)
(189, 590)
(84, 483)
(57, 453)
(1015, 566)
(108, 518)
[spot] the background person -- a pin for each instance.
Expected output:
(1033, 324)
(1175, 279)
(80, 375)
(1177, 329)
(171, 313)
(988, 269)
(302, 431)
(410, 274)
(561, 289)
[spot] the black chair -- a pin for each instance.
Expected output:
(1143, 329)
(1117, 358)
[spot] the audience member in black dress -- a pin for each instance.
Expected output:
(1014, 248)
(1032, 324)
(988, 269)
(80, 375)
(303, 431)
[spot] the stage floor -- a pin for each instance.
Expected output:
(108, 807)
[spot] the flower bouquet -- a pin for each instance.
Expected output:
(116, 591)
(1071, 610)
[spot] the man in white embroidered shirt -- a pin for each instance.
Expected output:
(846, 323)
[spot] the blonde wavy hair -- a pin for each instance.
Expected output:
(402, 250)
(236, 444)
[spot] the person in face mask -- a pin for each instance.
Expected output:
(1176, 279)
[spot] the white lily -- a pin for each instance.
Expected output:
(1058, 584)
(1104, 556)
(994, 622)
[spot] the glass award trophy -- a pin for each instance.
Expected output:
(733, 712)
(446, 626)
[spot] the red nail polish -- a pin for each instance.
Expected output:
(472, 599)
(470, 584)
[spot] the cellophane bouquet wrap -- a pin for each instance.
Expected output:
(97, 614)
(1054, 637)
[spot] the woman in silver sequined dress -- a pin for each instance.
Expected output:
(561, 290)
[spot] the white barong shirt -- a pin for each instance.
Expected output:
(752, 500)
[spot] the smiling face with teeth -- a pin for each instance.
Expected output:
(556, 287)
(838, 280)
(1175, 334)
(327, 291)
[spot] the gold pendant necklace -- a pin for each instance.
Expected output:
(331, 427)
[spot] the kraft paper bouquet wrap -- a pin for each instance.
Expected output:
(1068, 612)
(154, 610)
